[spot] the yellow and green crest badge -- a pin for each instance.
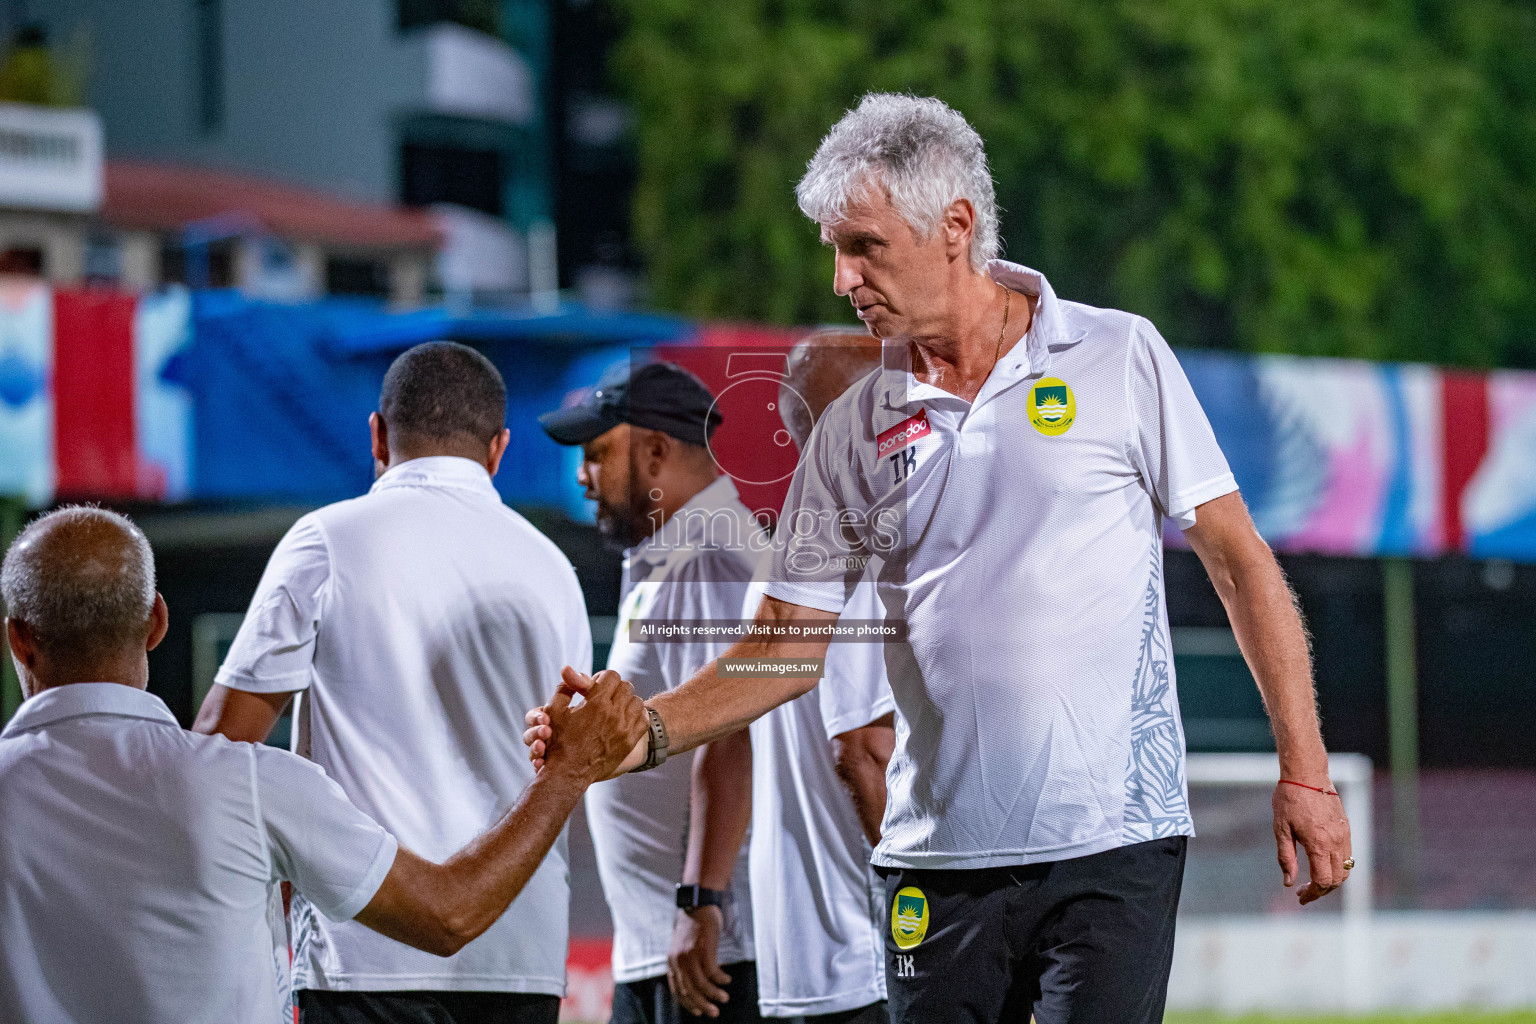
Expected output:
(1051, 406)
(909, 917)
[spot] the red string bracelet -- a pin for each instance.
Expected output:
(1330, 791)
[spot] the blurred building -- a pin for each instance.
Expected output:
(70, 216)
(433, 105)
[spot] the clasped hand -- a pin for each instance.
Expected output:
(594, 737)
(546, 736)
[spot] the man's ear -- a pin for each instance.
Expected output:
(654, 447)
(958, 225)
(159, 623)
(23, 646)
(498, 449)
(378, 432)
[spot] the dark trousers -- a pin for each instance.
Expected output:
(1081, 941)
(649, 1001)
(316, 1007)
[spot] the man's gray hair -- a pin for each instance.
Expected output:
(83, 579)
(921, 151)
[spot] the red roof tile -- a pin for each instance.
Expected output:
(167, 197)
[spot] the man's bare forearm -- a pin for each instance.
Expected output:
(442, 907)
(240, 714)
(860, 758)
(1269, 631)
(720, 811)
(493, 869)
(708, 707)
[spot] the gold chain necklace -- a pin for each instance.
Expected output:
(1003, 330)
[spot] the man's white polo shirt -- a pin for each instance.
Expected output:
(1021, 537)
(422, 620)
(136, 860)
(817, 916)
(697, 566)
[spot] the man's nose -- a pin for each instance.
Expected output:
(845, 275)
(582, 476)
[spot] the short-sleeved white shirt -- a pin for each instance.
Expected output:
(818, 905)
(1021, 537)
(137, 859)
(421, 621)
(697, 566)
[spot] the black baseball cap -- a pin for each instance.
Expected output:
(657, 396)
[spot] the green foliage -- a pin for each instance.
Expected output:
(1339, 177)
(33, 72)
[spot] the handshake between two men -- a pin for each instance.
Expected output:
(596, 739)
(550, 737)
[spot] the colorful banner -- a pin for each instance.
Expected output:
(112, 396)
(1333, 456)
(1350, 458)
(1498, 505)
(26, 401)
(162, 331)
(89, 404)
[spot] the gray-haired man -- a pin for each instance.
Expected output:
(1013, 473)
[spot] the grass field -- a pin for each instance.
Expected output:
(1522, 1017)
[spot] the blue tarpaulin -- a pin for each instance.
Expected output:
(283, 392)
(360, 333)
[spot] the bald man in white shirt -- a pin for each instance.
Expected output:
(691, 546)
(137, 858)
(814, 778)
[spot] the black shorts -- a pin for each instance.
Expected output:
(316, 1007)
(874, 1013)
(649, 1001)
(1081, 941)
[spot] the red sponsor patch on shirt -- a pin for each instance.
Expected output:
(903, 434)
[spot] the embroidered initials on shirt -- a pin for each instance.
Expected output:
(904, 462)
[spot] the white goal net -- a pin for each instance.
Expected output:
(1232, 867)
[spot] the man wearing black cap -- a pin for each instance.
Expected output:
(691, 547)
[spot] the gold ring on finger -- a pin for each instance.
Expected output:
(1349, 865)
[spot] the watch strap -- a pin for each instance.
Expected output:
(692, 897)
(656, 742)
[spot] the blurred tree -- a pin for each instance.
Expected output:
(33, 72)
(1340, 177)
(27, 74)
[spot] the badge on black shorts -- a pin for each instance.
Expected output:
(909, 917)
